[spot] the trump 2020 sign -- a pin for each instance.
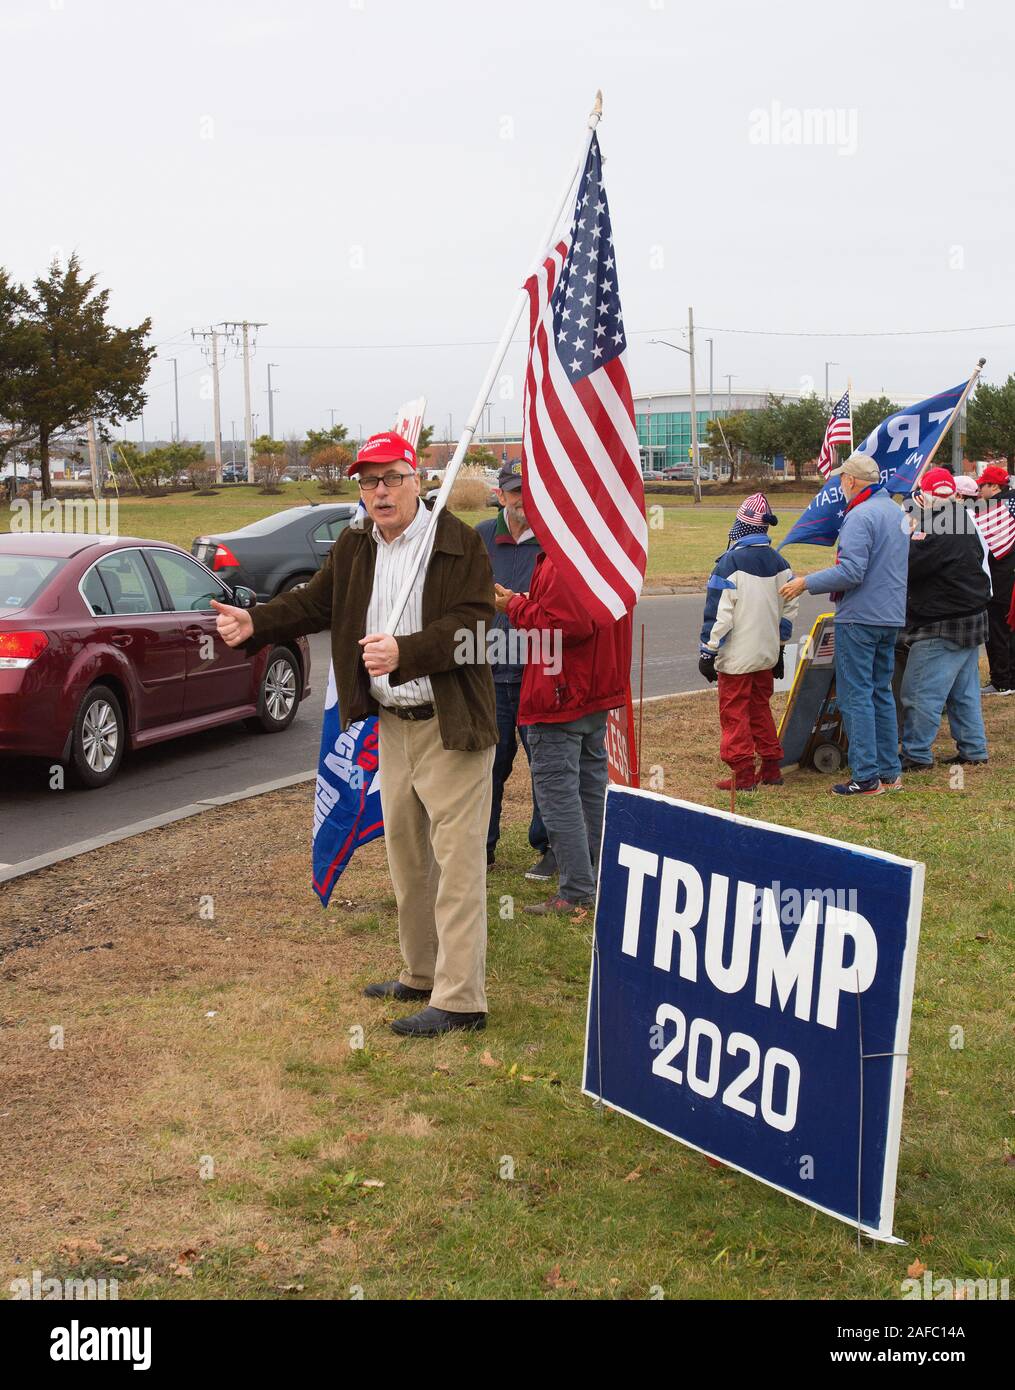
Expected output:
(750, 996)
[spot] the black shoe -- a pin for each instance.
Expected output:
(960, 761)
(545, 869)
(394, 989)
(909, 766)
(431, 1023)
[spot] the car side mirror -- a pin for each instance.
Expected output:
(244, 597)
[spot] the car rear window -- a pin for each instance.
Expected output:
(23, 578)
(267, 524)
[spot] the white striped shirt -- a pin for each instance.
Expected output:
(394, 559)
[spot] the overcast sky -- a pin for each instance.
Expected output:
(375, 176)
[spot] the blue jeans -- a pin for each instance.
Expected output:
(864, 662)
(942, 676)
(569, 771)
(508, 693)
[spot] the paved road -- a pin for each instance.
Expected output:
(35, 820)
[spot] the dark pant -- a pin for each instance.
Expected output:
(745, 718)
(507, 721)
(1000, 638)
(569, 771)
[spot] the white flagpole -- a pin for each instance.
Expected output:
(500, 352)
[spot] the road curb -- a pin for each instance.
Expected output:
(127, 832)
(139, 827)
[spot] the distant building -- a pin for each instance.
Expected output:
(506, 448)
(663, 423)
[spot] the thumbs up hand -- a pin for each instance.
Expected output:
(234, 625)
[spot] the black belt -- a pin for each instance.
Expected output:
(411, 711)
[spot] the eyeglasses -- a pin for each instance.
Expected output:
(388, 479)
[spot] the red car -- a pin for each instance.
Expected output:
(109, 644)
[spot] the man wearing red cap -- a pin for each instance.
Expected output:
(995, 488)
(438, 729)
(946, 624)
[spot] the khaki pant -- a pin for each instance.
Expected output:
(436, 812)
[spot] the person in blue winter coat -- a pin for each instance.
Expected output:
(747, 623)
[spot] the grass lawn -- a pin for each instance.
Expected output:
(684, 540)
(226, 1043)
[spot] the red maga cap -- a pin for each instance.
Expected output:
(994, 473)
(937, 482)
(384, 448)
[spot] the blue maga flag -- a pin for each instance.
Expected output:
(751, 994)
(899, 446)
(347, 802)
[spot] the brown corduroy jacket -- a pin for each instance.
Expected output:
(457, 596)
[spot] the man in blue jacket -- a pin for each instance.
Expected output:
(868, 583)
(513, 551)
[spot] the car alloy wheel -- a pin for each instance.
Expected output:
(100, 736)
(280, 689)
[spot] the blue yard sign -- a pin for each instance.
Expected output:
(741, 971)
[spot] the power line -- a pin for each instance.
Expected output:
(637, 332)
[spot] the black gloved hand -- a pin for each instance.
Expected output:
(706, 665)
(779, 669)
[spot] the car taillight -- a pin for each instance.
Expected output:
(19, 649)
(224, 559)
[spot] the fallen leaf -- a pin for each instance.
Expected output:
(554, 1281)
(186, 1257)
(713, 1162)
(118, 1259)
(1009, 1160)
(373, 1182)
(262, 1246)
(487, 1061)
(183, 1272)
(982, 936)
(356, 1138)
(916, 1269)
(634, 1175)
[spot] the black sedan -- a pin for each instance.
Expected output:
(279, 552)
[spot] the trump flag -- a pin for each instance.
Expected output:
(347, 800)
(900, 446)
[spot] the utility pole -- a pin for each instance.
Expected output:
(93, 462)
(333, 411)
(245, 325)
(711, 399)
(729, 392)
(695, 452)
(232, 424)
(176, 394)
(271, 402)
(213, 334)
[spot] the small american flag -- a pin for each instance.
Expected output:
(581, 476)
(839, 431)
(996, 521)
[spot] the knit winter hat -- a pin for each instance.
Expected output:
(754, 511)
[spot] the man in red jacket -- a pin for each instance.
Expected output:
(564, 704)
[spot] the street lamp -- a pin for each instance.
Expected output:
(828, 399)
(688, 352)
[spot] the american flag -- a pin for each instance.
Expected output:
(581, 476)
(997, 525)
(839, 431)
